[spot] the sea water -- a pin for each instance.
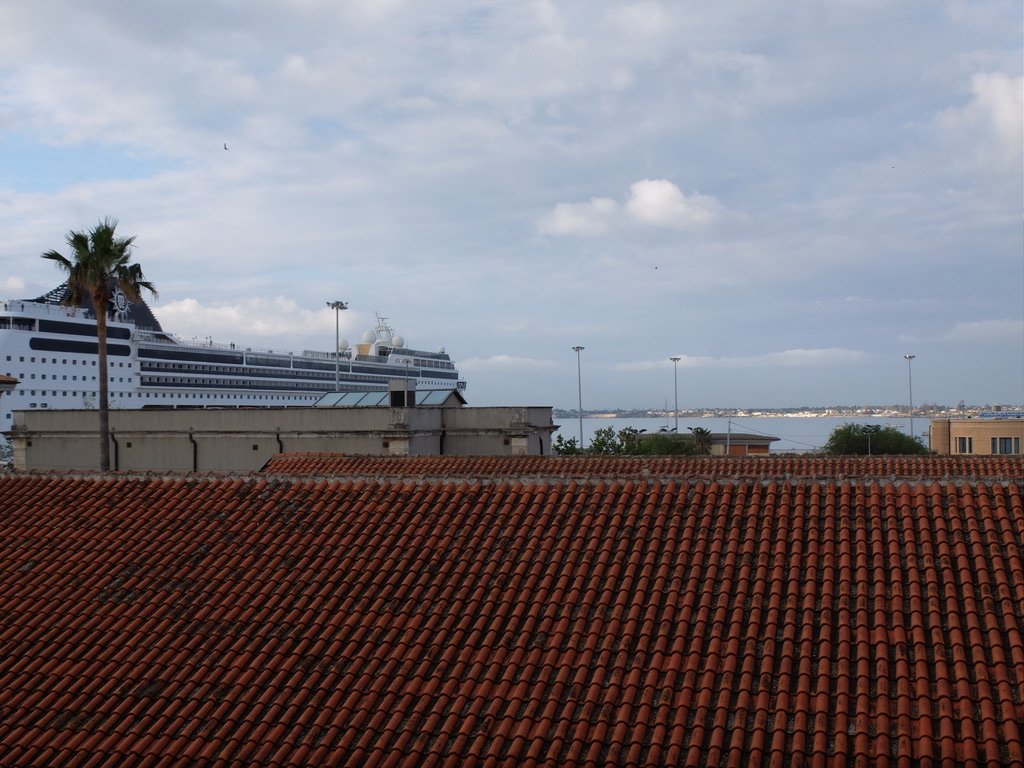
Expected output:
(797, 434)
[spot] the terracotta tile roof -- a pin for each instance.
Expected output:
(300, 621)
(707, 467)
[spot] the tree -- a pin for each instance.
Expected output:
(100, 263)
(605, 442)
(563, 447)
(873, 439)
(668, 444)
(702, 439)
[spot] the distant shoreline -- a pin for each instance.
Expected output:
(926, 411)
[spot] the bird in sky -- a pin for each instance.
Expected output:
(225, 145)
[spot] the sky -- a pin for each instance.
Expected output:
(788, 196)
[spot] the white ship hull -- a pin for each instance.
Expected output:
(52, 351)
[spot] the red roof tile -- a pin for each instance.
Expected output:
(830, 468)
(639, 619)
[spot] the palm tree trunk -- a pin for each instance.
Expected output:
(101, 338)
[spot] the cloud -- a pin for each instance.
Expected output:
(273, 320)
(986, 332)
(790, 358)
(584, 219)
(999, 99)
(503, 362)
(994, 118)
(520, 177)
(11, 285)
(661, 203)
(656, 203)
(805, 358)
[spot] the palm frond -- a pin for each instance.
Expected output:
(100, 259)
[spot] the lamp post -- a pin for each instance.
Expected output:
(910, 391)
(868, 430)
(675, 388)
(579, 389)
(337, 306)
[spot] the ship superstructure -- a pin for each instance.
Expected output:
(51, 349)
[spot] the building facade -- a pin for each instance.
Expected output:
(237, 440)
(995, 434)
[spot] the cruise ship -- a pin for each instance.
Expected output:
(51, 349)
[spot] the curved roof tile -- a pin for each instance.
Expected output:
(643, 614)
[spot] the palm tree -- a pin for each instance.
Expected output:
(702, 439)
(99, 264)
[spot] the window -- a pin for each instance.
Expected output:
(965, 445)
(1005, 445)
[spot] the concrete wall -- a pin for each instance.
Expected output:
(510, 431)
(243, 440)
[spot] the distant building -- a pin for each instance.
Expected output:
(993, 433)
(740, 443)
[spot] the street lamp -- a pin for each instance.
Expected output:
(868, 430)
(337, 306)
(910, 390)
(579, 389)
(675, 388)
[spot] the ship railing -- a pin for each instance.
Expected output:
(172, 340)
(36, 309)
(319, 355)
